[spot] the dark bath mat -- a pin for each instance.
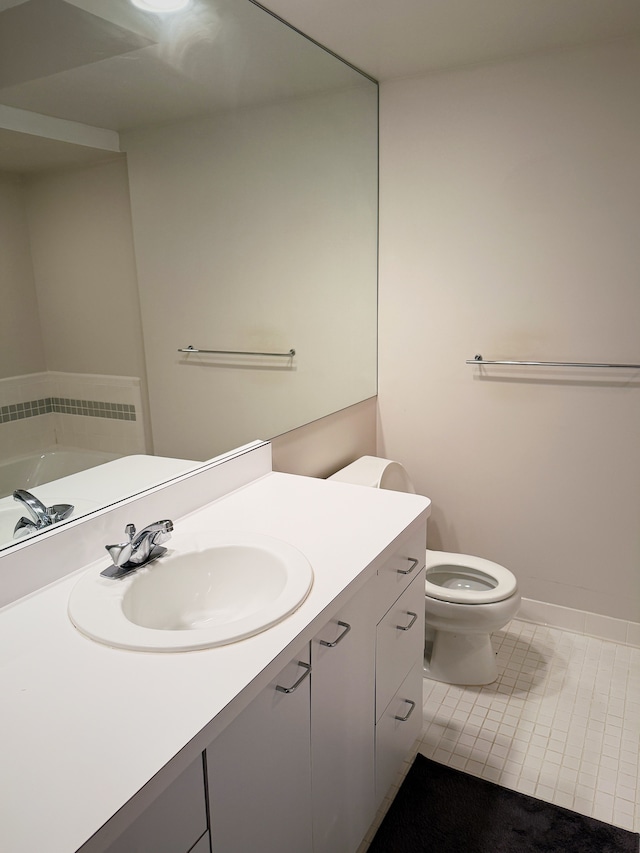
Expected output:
(442, 810)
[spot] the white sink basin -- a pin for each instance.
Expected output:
(218, 589)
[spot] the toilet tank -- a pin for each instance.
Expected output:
(377, 473)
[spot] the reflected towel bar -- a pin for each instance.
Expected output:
(478, 359)
(289, 354)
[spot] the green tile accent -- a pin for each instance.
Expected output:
(67, 405)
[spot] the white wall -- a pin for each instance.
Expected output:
(322, 447)
(20, 339)
(510, 223)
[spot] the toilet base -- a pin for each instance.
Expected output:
(466, 659)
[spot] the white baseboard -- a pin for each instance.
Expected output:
(580, 622)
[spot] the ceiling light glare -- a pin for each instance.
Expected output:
(161, 6)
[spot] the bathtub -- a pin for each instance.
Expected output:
(35, 469)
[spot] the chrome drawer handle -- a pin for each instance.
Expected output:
(408, 571)
(307, 667)
(332, 645)
(409, 712)
(410, 625)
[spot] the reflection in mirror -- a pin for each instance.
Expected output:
(206, 179)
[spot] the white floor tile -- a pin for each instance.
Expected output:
(562, 722)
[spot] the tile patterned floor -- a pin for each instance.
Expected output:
(561, 723)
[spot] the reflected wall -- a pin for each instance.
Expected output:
(256, 232)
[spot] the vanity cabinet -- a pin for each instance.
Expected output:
(306, 770)
(304, 767)
(228, 763)
(259, 770)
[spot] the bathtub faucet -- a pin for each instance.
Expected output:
(141, 549)
(40, 516)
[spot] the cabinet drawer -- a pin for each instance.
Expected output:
(399, 641)
(401, 569)
(397, 730)
(174, 822)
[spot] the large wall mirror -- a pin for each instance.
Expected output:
(188, 236)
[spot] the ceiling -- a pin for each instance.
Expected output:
(92, 61)
(71, 68)
(105, 65)
(398, 38)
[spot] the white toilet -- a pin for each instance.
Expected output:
(466, 598)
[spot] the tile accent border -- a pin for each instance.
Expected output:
(579, 622)
(18, 411)
(94, 408)
(79, 410)
(68, 406)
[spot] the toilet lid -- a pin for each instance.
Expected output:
(464, 579)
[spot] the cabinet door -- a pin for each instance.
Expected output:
(173, 822)
(342, 727)
(259, 771)
(397, 730)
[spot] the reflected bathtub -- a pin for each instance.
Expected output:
(44, 466)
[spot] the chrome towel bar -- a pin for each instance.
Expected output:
(478, 359)
(289, 354)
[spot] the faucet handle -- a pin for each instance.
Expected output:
(121, 554)
(24, 527)
(59, 512)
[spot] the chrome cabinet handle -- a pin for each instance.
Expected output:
(409, 712)
(332, 645)
(406, 627)
(307, 668)
(408, 571)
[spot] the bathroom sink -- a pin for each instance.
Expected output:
(214, 589)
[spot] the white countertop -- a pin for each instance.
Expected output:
(85, 726)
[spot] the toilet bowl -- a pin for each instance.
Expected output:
(466, 597)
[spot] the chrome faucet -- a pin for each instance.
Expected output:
(40, 516)
(141, 549)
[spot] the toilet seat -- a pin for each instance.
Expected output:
(464, 579)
